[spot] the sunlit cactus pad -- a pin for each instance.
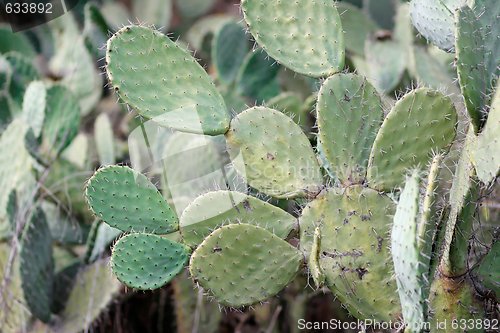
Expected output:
(405, 253)
(273, 154)
(434, 20)
(162, 81)
(214, 209)
(485, 156)
(242, 264)
(423, 122)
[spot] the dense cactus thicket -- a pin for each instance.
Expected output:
(256, 165)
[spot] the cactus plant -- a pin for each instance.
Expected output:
(161, 258)
(153, 93)
(243, 264)
(372, 243)
(211, 210)
(434, 20)
(300, 37)
(125, 212)
(412, 237)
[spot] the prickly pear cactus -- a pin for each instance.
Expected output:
(273, 154)
(412, 234)
(134, 203)
(307, 29)
(354, 224)
(145, 261)
(139, 65)
(241, 264)
(37, 266)
(422, 122)
(485, 147)
(349, 116)
(214, 209)
(370, 241)
(472, 75)
(434, 20)
(94, 289)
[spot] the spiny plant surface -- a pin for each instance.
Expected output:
(357, 190)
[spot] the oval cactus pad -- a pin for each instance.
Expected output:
(242, 264)
(304, 35)
(422, 123)
(270, 150)
(145, 261)
(349, 113)
(162, 81)
(127, 200)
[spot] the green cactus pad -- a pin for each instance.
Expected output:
(214, 209)
(381, 11)
(242, 264)
(357, 25)
(93, 291)
(34, 106)
(314, 266)
(488, 270)
(157, 12)
(434, 20)
(205, 26)
(145, 261)
(126, 200)
(304, 35)
(485, 156)
(272, 153)
(471, 70)
(37, 266)
(459, 227)
(349, 113)
(62, 119)
(422, 122)
(162, 81)
(229, 47)
(409, 267)
(354, 223)
(73, 64)
(386, 63)
(430, 72)
(194, 8)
